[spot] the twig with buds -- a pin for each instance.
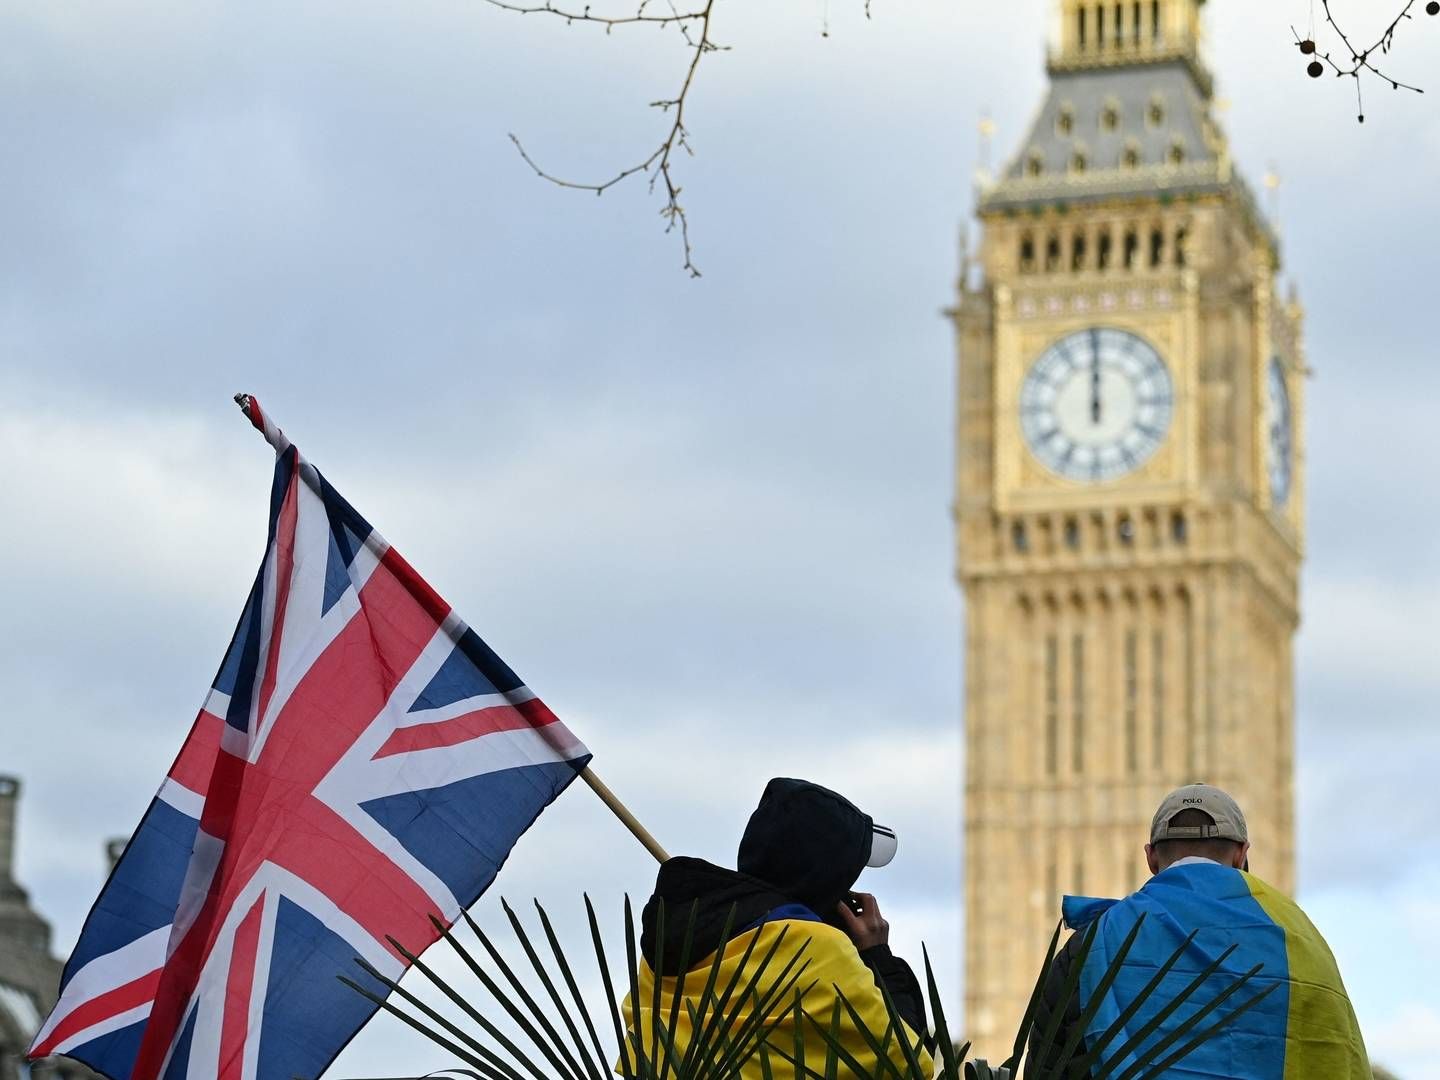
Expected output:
(694, 27)
(1360, 59)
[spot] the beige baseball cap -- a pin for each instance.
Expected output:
(1227, 822)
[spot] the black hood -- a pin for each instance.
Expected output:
(686, 884)
(808, 842)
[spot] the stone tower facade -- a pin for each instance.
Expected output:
(1130, 487)
(29, 974)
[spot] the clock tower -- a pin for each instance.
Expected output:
(1129, 492)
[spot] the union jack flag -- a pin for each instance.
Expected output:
(362, 761)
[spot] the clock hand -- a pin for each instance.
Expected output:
(1094, 376)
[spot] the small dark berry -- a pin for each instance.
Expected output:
(1316, 69)
(1307, 46)
(1432, 8)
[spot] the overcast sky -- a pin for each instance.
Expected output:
(706, 520)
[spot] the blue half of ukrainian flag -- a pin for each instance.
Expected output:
(1304, 1029)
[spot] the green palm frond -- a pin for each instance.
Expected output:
(552, 1032)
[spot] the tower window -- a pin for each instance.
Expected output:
(1077, 252)
(1177, 153)
(1077, 703)
(1132, 248)
(1157, 703)
(1102, 250)
(1130, 156)
(1135, 23)
(1018, 537)
(1181, 235)
(1155, 34)
(1100, 25)
(1119, 25)
(1109, 118)
(1052, 704)
(1027, 253)
(1034, 163)
(1072, 534)
(1080, 27)
(1157, 246)
(1132, 723)
(1125, 530)
(1077, 162)
(1052, 253)
(1065, 120)
(1178, 529)
(1155, 114)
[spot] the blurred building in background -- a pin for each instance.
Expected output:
(1130, 492)
(29, 974)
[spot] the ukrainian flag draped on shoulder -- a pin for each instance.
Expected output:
(837, 997)
(1304, 1028)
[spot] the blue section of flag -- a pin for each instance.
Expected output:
(471, 670)
(230, 668)
(348, 533)
(337, 576)
(305, 996)
(112, 1054)
(464, 831)
(141, 894)
(180, 1061)
(1216, 901)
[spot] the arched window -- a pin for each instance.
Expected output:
(1132, 248)
(1077, 703)
(1132, 693)
(1181, 236)
(1034, 163)
(1102, 250)
(1027, 253)
(1052, 704)
(1130, 156)
(1155, 114)
(1177, 153)
(1109, 116)
(1157, 245)
(1077, 252)
(1078, 161)
(1052, 253)
(1065, 120)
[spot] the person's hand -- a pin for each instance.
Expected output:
(868, 928)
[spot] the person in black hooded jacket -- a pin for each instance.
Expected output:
(801, 854)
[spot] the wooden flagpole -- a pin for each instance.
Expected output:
(616, 807)
(621, 811)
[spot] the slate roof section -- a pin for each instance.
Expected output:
(1178, 150)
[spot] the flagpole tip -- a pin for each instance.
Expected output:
(243, 400)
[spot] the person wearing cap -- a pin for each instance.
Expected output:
(1198, 855)
(800, 857)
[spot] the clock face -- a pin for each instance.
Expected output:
(1278, 443)
(1096, 404)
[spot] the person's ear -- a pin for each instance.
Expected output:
(1152, 858)
(1241, 858)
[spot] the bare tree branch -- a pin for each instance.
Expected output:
(694, 27)
(1360, 59)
